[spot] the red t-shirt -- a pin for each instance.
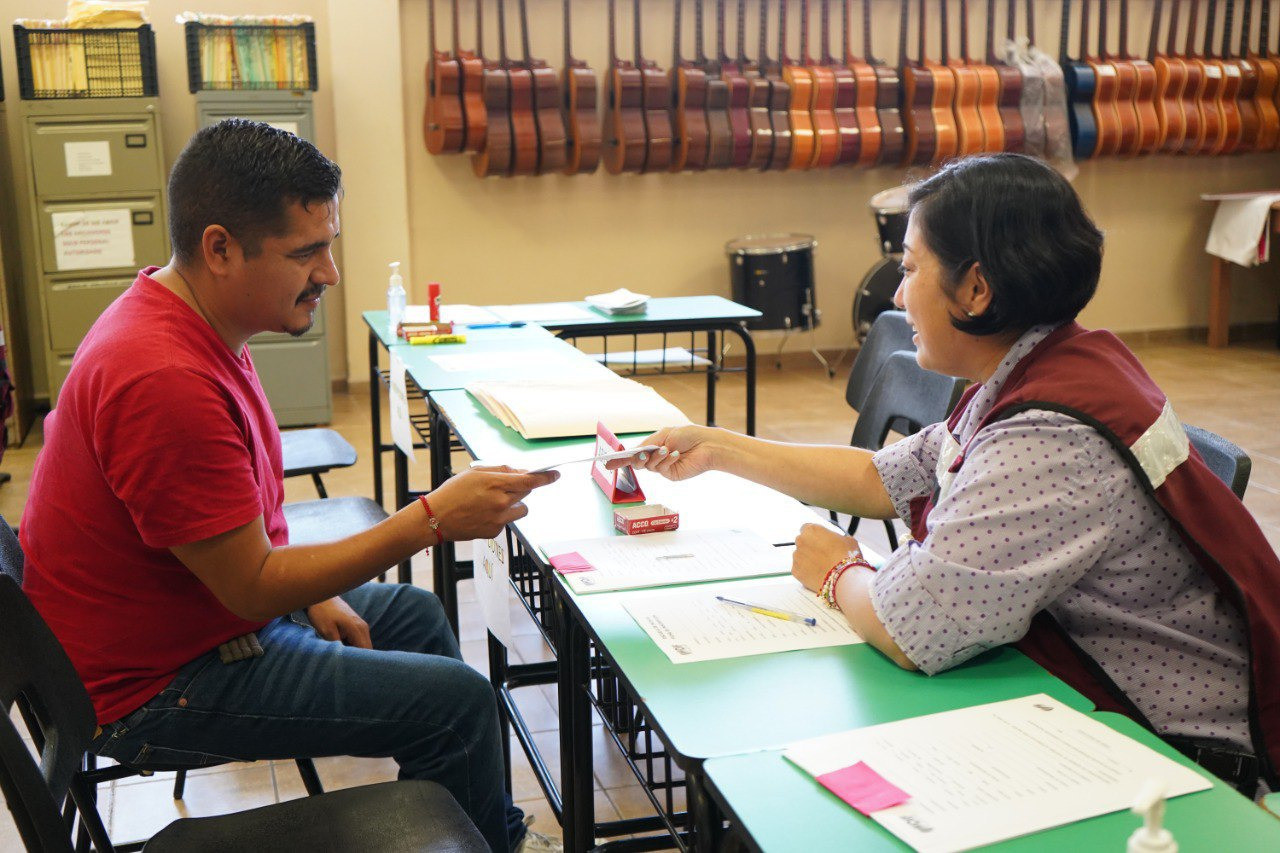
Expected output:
(161, 437)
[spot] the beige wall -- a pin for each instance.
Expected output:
(554, 237)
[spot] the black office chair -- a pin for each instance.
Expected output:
(1231, 464)
(889, 333)
(34, 670)
(904, 397)
(314, 452)
(92, 828)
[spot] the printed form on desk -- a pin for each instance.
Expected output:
(664, 559)
(690, 624)
(979, 775)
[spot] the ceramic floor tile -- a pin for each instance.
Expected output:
(139, 811)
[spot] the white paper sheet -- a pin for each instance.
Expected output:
(1238, 226)
(691, 625)
(457, 313)
(87, 159)
(662, 559)
(542, 312)
(993, 772)
(493, 585)
(398, 401)
(669, 357)
(552, 362)
(93, 239)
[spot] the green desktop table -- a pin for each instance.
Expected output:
(777, 808)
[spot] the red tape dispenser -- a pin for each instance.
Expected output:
(620, 486)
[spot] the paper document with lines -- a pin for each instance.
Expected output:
(663, 559)
(690, 624)
(559, 407)
(980, 775)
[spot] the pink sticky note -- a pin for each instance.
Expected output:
(567, 564)
(863, 788)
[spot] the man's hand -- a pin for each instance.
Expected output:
(479, 502)
(335, 620)
(818, 548)
(683, 452)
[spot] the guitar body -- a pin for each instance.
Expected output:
(658, 133)
(1250, 119)
(623, 134)
(865, 90)
(1009, 100)
(920, 137)
(845, 110)
(946, 133)
(1171, 78)
(719, 132)
(1144, 106)
(893, 140)
(968, 121)
(1229, 132)
(582, 120)
(1192, 106)
(989, 107)
(524, 126)
(1264, 99)
(1105, 116)
(495, 158)
(803, 146)
(1211, 106)
(826, 133)
(1126, 115)
(690, 113)
(473, 112)
(758, 118)
(552, 149)
(739, 117)
(780, 122)
(443, 125)
(1081, 82)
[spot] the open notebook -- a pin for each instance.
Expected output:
(558, 408)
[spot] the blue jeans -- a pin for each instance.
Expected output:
(411, 698)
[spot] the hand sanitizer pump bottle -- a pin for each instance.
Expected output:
(1151, 837)
(396, 298)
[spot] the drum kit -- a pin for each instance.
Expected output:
(875, 292)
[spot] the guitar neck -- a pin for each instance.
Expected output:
(964, 30)
(782, 33)
(699, 56)
(866, 33)
(524, 35)
(1245, 26)
(1171, 40)
(742, 33)
(480, 28)
(825, 34)
(991, 32)
(431, 28)
(1124, 29)
(946, 32)
(1031, 23)
(805, 59)
(502, 33)
(1209, 28)
(1193, 21)
(635, 17)
(720, 53)
(1154, 44)
(1011, 20)
(1228, 20)
(1102, 28)
(457, 35)
(568, 52)
(1264, 33)
(675, 39)
(1084, 29)
(764, 35)
(613, 35)
(920, 19)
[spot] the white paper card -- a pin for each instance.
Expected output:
(87, 159)
(678, 556)
(691, 625)
(493, 587)
(467, 314)
(93, 239)
(553, 363)
(993, 772)
(398, 397)
(542, 312)
(287, 126)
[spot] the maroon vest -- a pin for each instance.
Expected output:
(1095, 379)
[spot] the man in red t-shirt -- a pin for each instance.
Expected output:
(154, 530)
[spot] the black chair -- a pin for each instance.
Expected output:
(315, 451)
(1231, 464)
(904, 397)
(329, 519)
(34, 670)
(889, 333)
(92, 828)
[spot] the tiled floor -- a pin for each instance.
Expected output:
(1235, 392)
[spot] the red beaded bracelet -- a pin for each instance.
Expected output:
(827, 592)
(432, 520)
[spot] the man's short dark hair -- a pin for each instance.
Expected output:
(1024, 226)
(243, 175)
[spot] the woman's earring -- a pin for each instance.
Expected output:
(970, 314)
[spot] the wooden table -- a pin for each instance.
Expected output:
(1220, 291)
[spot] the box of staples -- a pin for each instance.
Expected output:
(649, 518)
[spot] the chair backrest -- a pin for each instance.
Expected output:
(10, 553)
(889, 333)
(35, 669)
(904, 390)
(1231, 464)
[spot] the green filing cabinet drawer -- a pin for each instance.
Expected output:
(59, 367)
(122, 235)
(297, 121)
(295, 377)
(317, 331)
(74, 305)
(77, 157)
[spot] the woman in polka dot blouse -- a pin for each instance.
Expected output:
(1047, 511)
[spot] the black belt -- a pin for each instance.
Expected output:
(1238, 769)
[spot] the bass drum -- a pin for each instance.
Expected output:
(874, 295)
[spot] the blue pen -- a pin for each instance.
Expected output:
(770, 611)
(514, 324)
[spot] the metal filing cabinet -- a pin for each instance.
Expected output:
(95, 212)
(11, 307)
(294, 371)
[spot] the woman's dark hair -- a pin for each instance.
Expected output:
(1024, 226)
(243, 175)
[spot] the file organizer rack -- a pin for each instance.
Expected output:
(294, 371)
(105, 63)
